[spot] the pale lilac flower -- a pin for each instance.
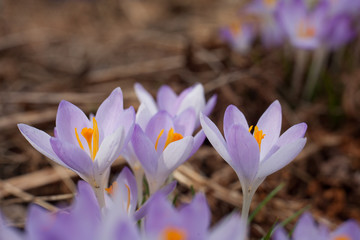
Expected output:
(306, 228)
(164, 145)
(81, 221)
(190, 222)
(304, 28)
(239, 35)
(255, 156)
(271, 32)
(167, 100)
(87, 146)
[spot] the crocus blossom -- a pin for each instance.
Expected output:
(239, 35)
(189, 222)
(304, 28)
(167, 100)
(164, 145)
(306, 228)
(87, 146)
(255, 152)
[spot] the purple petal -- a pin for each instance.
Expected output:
(215, 137)
(40, 141)
(143, 116)
(281, 158)
(166, 99)
(68, 118)
(8, 232)
(306, 228)
(196, 217)
(195, 99)
(160, 215)
(292, 134)
(145, 150)
(74, 157)
(209, 107)
(231, 228)
(126, 229)
(175, 154)
(244, 152)
(233, 116)
(270, 124)
(145, 98)
(109, 112)
(185, 122)
(40, 224)
(198, 141)
(280, 234)
(109, 150)
(350, 229)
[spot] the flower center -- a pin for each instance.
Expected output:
(171, 137)
(172, 233)
(258, 135)
(91, 136)
(342, 237)
(305, 30)
(235, 28)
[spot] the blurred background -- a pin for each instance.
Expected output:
(79, 50)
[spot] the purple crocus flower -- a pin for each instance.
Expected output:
(81, 221)
(164, 144)
(239, 35)
(304, 28)
(167, 100)
(87, 146)
(271, 32)
(189, 222)
(255, 155)
(306, 228)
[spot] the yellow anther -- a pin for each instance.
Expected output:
(235, 28)
(305, 30)
(258, 135)
(91, 136)
(78, 139)
(128, 200)
(171, 137)
(159, 136)
(172, 233)
(342, 237)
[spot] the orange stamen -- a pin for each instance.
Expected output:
(174, 234)
(258, 135)
(171, 137)
(270, 3)
(305, 30)
(128, 200)
(91, 136)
